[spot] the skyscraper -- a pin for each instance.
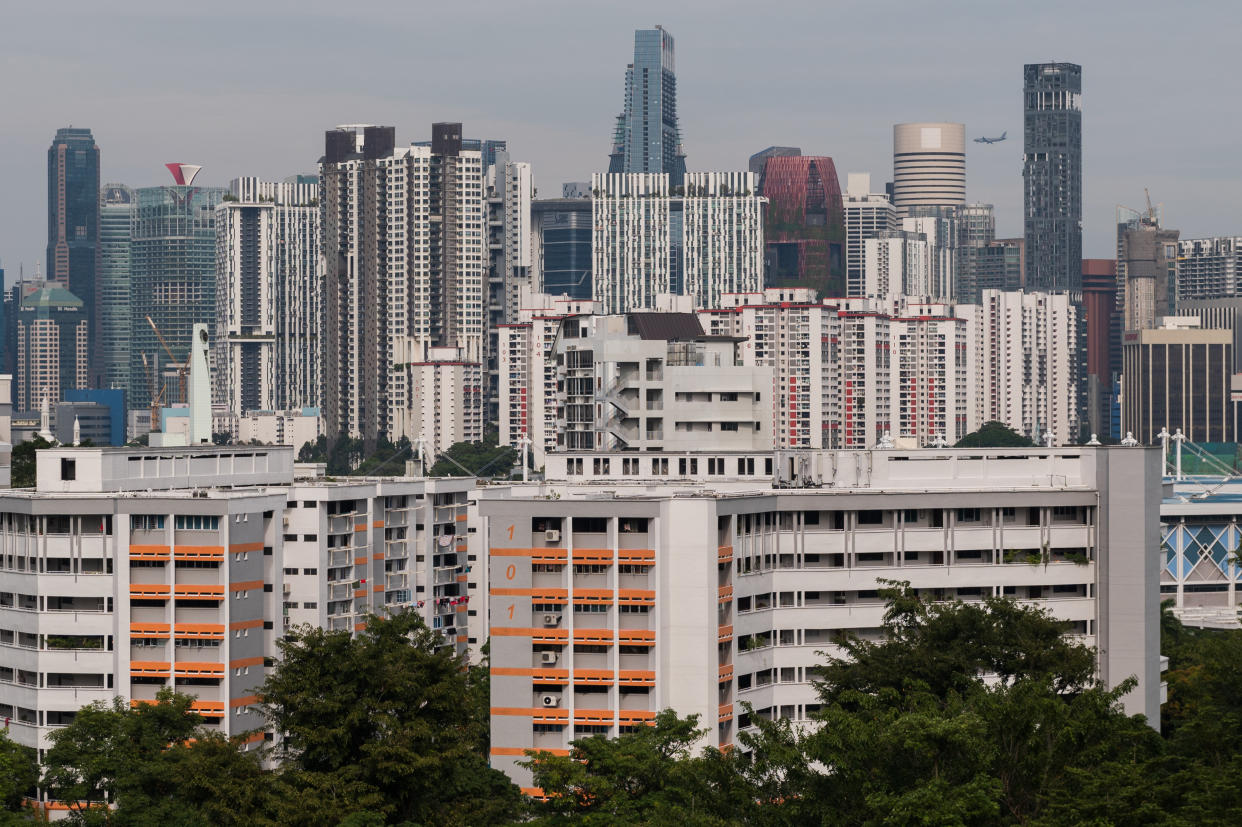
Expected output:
(1052, 175)
(647, 137)
(804, 224)
(116, 213)
(405, 247)
(867, 214)
(52, 346)
(929, 165)
(172, 278)
(269, 297)
(722, 236)
(631, 244)
(561, 251)
(976, 230)
(73, 215)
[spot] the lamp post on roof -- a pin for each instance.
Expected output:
(1164, 436)
(1178, 438)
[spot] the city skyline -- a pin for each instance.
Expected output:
(560, 121)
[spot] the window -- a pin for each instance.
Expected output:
(310, 571)
(632, 525)
(146, 522)
(591, 525)
(290, 571)
(968, 515)
(197, 522)
(870, 517)
(68, 469)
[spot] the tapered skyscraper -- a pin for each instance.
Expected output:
(1052, 175)
(647, 138)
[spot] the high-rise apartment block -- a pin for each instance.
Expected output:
(722, 236)
(510, 188)
(867, 215)
(696, 586)
(1102, 329)
(269, 287)
(52, 344)
(529, 379)
(786, 331)
(172, 280)
(405, 242)
(804, 224)
(1209, 268)
(1052, 175)
(631, 244)
(73, 219)
(647, 137)
(901, 263)
(1025, 364)
(929, 165)
(116, 216)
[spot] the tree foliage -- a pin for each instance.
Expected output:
(959, 714)
(479, 459)
(994, 435)
(379, 720)
(23, 462)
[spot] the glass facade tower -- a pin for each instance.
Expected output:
(1052, 175)
(73, 214)
(172, 278)
(647, 137)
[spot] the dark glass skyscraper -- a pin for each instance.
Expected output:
(1052, 175)
(73, 215)
(647, 138)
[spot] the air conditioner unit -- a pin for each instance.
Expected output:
(552, 535)
(547, 658)
(549, 700)
(288, 588)
(285, 521)
(551, 620)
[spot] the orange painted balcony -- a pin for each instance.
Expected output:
(150, 668)
(636, 637)
(599, 556)
(550, 676)
(199, 553)
(148, 552)
(636, 597)
(597, 677)
(148, 591)
(548, 635)
(199, 631)
(209, 708)
(594, 716)
(599, 637)
(199, 669)
(148, 630)
(628, 717)
(724, 554)
(636, 556)
(199, 592)
(725, 672)
(725, 633)
(636, 677)
(726, 712)
(592, 596)
(724, 594)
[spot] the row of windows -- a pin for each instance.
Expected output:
(183, 522)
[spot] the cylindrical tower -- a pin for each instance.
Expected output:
(929, 165)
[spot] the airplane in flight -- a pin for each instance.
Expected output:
(992, 140)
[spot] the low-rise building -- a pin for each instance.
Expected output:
(627, 584)
(128, 570)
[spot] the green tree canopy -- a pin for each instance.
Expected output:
(381, 719)
(24, 468)
(994, 435)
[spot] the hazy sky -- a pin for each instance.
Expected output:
(247, 88)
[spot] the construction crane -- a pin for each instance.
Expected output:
(183, 370)
(156, 397)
